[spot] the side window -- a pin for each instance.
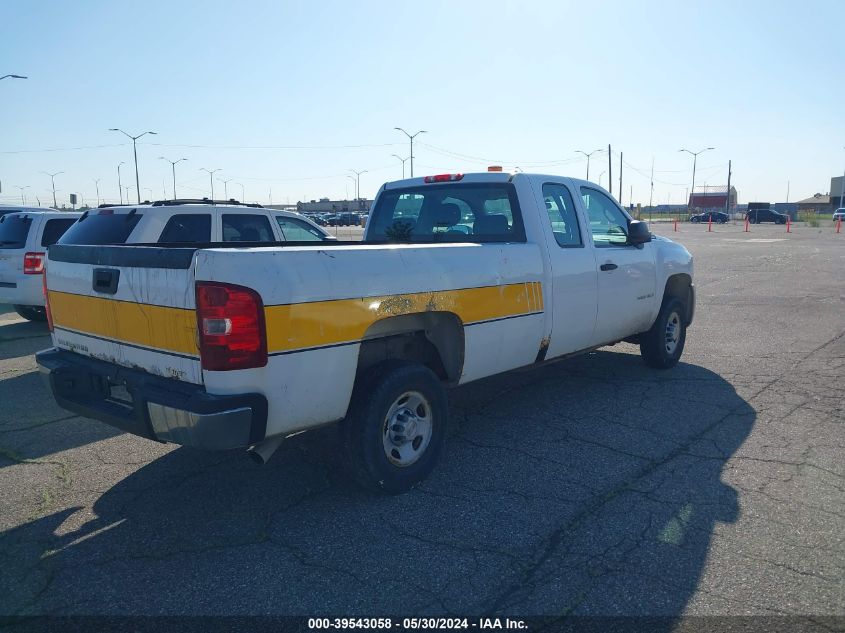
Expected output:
(54, 229)
(607, 222)
(561, 210)
(187, 228)
(247, 228)
(295, 230)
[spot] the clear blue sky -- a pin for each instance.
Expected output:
(522, 83)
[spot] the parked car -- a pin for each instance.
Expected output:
(25, 235)
(228, 347)
(719, 217)
(756, 216)
(192, 222)
(839, 214)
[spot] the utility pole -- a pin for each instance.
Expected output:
(651, 191)
(135, 152)
(728, 197)
(411, 138)
(97, 185)
(210, 173)
(609, 171)
(787, 192)
(620, 177)
(173, 168)
(119, 184)
(53, 180)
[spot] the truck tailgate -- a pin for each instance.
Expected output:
(128, 305)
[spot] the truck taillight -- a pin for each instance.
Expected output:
(230, 320)
(46, 301)
(33, 263)
(443, 178)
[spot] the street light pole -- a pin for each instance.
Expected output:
(358, 182)
(97, 185)
(694, 161)
(403, 164)
(600, 175)
(580, 151)
(120, 184)
(135, 152)
(411, 138)
(53, 180)
(23, 198)
(173, 168)
(243, 192)
(210, 173)
(225, 187)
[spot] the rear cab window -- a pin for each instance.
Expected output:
(14, 229)
(450, 212)
(187, 227)
(54, 229)
(102, 226)
(243, 227)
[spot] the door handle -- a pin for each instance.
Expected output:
(608, 266)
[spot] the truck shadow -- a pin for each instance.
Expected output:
(590, 486)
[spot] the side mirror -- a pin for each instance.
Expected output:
(638, 233)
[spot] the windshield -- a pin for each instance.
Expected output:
(13, 231)
(101, 227)
(457, 212)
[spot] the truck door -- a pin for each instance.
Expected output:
(573, 273)
(626, 274)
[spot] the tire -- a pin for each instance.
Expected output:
(656, 348)
(377, 441)
(31, 313)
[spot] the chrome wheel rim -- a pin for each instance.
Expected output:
(407, 429)
(673, 333)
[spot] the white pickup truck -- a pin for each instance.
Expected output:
(459, 277)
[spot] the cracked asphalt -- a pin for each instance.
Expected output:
(592, 485)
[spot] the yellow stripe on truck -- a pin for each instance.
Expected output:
(289, 327)
(159, 327)
(321, 323)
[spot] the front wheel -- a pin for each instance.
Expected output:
(31, 313)
(661, 347)
(396, 426)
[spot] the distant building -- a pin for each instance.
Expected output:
(713, 198)
(820, 203)
(324, 205)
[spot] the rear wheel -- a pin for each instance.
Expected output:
(396, 426)
(31, 313)
(661, 347)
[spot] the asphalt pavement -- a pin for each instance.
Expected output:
(593, 485)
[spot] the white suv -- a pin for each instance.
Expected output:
(25, 234)
(191, 222)
(839, 214)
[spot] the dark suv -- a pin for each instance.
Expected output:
(755, 216)
(719, 217)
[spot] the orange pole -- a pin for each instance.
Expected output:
(839, 225)
(709, 223)
(676, 225)
(746, 224)
(788, 224)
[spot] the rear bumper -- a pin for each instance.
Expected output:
(156, 408)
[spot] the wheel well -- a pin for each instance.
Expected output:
(433, 339)
(678, 287)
